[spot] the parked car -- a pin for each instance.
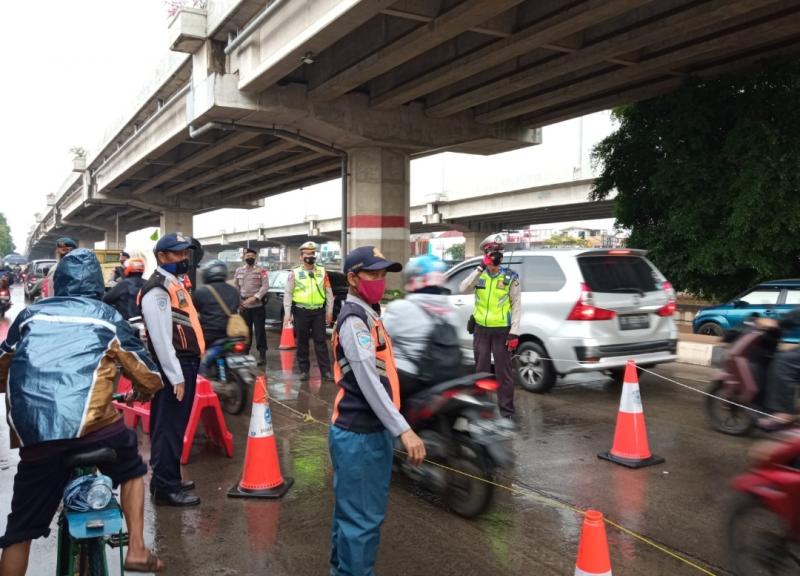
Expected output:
(583, 310)
(769, 299)
(277, 282)
(34, 275)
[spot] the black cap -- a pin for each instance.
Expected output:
(123, 253)
(174, 242)
(66, 241)
(369, 258)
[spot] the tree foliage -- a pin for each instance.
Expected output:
(456, 252)
(562, 239)
(6, 244)
(708, 179)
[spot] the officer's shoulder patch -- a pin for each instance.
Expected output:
(162, 302)
(263, 272)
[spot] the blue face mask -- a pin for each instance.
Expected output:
(176, 268)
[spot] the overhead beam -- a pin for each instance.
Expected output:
(327, 166)
(464, 16)
(547, 31)
(218, 171)
(766, 32)
(228, 142)
(258, 173)
(661, 29)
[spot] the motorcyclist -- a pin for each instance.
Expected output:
(422, 327)
(213, 319)
(118, 273)
(58, 370)
(123, 295)
(779, 395)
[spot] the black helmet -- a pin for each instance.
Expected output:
(214, 271)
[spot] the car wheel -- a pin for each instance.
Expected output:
(711, 329)
(532, 370)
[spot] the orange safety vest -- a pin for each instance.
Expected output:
(351, 411)
(187, 334)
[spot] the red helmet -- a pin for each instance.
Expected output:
(133, 266)
(493, 243)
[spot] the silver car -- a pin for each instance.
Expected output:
(583, 310)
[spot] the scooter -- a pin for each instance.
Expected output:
(465, 441)
(741, 378)
(764, 518)
(5, 301)
(232, 374)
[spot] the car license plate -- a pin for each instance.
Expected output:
(634, 322)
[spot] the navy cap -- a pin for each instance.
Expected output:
(123, 253)
(369, 258)
(174, 242)
(66, 241)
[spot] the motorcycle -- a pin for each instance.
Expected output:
(764, 518)
(459, 423)
(741, 378)
(232, 373)
(5, 301)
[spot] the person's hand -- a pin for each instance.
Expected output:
(178, 389)
(415, 448)
(328, 319)
(762, 322)
(288, 320)
(251, 300)
(512, 342)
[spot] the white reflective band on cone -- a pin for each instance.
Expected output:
(579, 572)
(631, 400)
(260, 421)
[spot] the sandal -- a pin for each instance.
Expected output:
(152, 564)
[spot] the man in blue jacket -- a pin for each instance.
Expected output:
(58, 369)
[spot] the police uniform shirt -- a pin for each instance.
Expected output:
(252, 282)
(157, 314)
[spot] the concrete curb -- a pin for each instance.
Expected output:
(699, 350)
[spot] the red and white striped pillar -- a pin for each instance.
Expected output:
(378, 203)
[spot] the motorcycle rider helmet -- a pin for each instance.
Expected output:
(214, 271)
(493, 243)
(424, 272)
(133, 266)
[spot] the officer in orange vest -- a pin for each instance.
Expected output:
(366, 417)
(175, 339)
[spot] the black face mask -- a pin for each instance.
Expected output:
(177, 268)
(250, 261)
(496, 257)
(310, 260)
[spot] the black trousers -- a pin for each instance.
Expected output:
(168, 420)
(780, 388)
(492, 341)
(311, 323)
(255, 319)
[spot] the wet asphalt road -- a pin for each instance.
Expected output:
(679, 505)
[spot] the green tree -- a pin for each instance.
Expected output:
(563, 239)
(708, 179)
(6, 244)
(456, 252)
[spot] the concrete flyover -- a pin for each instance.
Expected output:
(262, 98)
(475, 216)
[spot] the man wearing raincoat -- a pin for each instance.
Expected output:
(58, 369)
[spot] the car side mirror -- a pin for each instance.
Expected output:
(739, 303)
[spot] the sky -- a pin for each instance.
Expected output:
(72, 70)
(77, 72)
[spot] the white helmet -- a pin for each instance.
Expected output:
(309, 246)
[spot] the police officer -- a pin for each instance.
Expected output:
(366, 417)
(253, 284)
(497, 313)
(125, 292)
(308, 302)
(176, 343)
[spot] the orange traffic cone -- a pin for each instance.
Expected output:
(631, 447)
(287, 337)
(287, 361)
(593, 559)
(261, 477)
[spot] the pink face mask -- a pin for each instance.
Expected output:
(371, 291)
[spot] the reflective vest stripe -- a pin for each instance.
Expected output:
(492, 300)
(308, 291)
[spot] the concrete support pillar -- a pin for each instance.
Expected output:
(85, 242)
(472, 243)
(378, 203)
(111, 239)
(291, 254)
(177, 221)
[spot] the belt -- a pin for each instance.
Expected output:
(307, 307)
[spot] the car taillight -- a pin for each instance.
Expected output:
(585, 309)
(487, 384)
(669, 308)
(239, 347)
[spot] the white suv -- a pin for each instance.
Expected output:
(582, 310)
